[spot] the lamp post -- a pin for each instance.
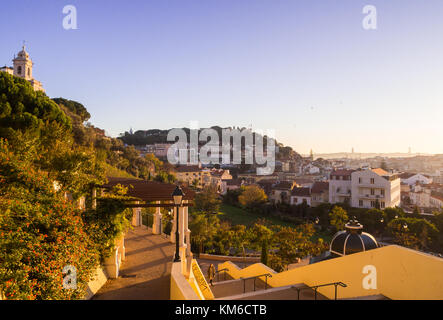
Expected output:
(177, 196)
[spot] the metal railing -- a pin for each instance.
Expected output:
(266, 275)
(224, 274)
(315, 288)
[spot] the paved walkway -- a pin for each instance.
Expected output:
(145, 274)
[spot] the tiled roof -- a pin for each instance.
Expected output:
(283, 185)
(149, 190)
(266, 182)
(437, 195)
(320, 186)
(406, 175)
(234, 182)
(187, 169)
(380, 172)
(303, 180)
(301, 192)
(342, 172)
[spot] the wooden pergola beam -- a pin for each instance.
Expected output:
(159, 205)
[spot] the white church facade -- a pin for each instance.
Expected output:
(22, 67)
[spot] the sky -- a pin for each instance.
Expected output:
(304, 68)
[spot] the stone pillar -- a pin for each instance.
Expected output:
(156, 225)
(182, 243)
(189, 255)
(174, 225)
(136, 216)
(112, 264)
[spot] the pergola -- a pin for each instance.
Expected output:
(158, 195)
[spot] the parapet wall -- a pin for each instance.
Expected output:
(393, 271)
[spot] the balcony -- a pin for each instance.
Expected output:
(371, 196)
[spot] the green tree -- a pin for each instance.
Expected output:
(252, 196)
(338, 217)
(207, 201)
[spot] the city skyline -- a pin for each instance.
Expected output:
(308, 70)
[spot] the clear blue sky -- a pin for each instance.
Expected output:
(305, 68)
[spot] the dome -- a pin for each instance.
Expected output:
(352, 240)
(22, 55)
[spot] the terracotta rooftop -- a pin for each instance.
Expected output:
(342, 172)
(380, 172)
(320, 186)
(301, 192)
(284, 185)
(148, 190)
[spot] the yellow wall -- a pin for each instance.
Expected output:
(180, 287)
(401, 274)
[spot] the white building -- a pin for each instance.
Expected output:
(365, 188)
(412, 178)
(375, 188)
(340, 187)
(23, 68)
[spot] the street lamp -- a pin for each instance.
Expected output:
(177, 196)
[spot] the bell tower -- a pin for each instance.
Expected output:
(23, 65)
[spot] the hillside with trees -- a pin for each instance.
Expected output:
(49, 162)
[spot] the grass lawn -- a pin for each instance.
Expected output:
(240, 216)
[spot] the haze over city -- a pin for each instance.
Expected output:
(306, 69)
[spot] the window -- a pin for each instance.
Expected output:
(19, 70)
(382, 204)
(382, 192)
(360, 203)
(29, 72)
(372, 204)
(359, 180)
(372, 180)
(372, 192)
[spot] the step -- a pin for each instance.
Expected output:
(235, 287)
(280, 293)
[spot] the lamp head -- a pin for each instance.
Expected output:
(177, 195)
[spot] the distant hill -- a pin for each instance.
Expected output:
(355, 155)
(152, 136)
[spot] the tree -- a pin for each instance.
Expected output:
(338, 217)
(413, 232)
(260, 238)
(207, 201)
(293, 244)
(203, 228)
(252, 196)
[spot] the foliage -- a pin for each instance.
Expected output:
(293, 244)
(252, 196)
(41, 233)
(338, 217)
(412, 232)
(207, 200)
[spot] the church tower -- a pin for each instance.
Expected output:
(23, 65)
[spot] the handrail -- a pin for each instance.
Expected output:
(218, 273)
(266, 275)
(335, 284)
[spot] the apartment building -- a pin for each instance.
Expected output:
(340, 187)
(375, 188)
(369, 188)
